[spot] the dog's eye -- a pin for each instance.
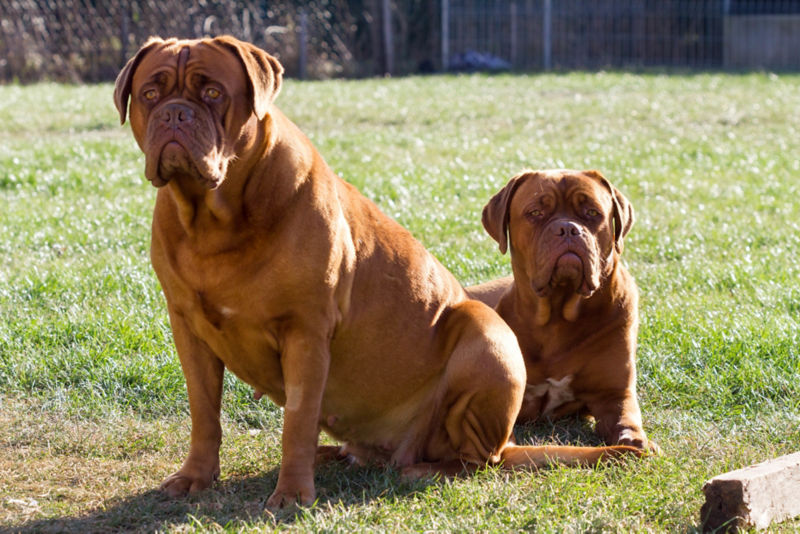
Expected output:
(151, 94)
(591, 212)
(535, 212)
(213, 93)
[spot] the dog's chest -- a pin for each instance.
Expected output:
(212, 296)
(223, 303)
(241, 339)
(555, 372)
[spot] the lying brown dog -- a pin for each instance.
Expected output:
(571, 302)
(276, 269)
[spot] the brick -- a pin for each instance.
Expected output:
(753, 497)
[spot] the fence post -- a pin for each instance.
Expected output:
(123, 38)
(246, 31)
(387, 37)
(445, 35)
(547, 45)
(302, 59)
(513, 35)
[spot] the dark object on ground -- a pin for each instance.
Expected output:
(472, 61)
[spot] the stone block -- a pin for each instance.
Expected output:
(753, 497)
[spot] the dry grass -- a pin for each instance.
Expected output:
(75, 474)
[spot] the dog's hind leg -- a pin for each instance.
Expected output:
(479, 395)
(482, 390)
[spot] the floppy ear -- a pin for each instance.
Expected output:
(495, 213)
(623, 210)
(122, 87)
(264, 72)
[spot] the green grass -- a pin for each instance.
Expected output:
(93, 410)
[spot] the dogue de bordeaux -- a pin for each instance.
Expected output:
(571, 302)
(279, 271)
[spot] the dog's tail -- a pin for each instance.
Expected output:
(516, 456)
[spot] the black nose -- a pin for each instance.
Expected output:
(176, 115)
(566, 229)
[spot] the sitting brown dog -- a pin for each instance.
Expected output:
(276, 269)
(571, 302)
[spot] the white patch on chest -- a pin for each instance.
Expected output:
(558, 393)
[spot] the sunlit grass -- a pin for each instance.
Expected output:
(710, 163)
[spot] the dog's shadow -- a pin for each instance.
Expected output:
(569, 430)
(235, 500)
(238, 499)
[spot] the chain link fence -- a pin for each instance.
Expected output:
(90, 40)
(592, 34)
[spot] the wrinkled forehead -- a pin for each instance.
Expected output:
(186, 58)
(560, 186)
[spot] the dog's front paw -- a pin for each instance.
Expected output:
(638, 439)
(286, 497)
(186, 481)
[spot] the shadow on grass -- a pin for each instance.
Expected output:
(238, 500)
(234, 501)
(569, 430)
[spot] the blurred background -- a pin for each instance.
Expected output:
(89, 40)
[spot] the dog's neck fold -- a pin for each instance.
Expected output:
(190, 207)
(563, 299)
(570, 307)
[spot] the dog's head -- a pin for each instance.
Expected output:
(195, 105)
(565, 228)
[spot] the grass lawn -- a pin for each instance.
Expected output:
(93, 408)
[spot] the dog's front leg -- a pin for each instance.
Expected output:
(304, 361)
(203, 372)
(619, 420)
